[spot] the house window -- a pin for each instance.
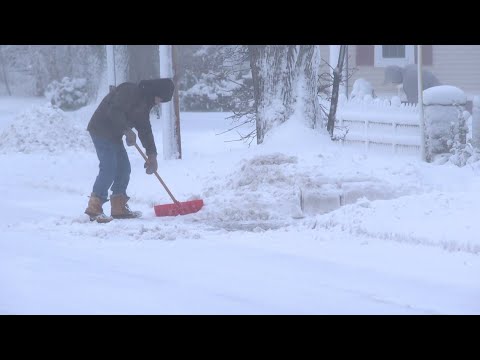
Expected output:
(393, 51)
(400, 55)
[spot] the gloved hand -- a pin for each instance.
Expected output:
(130, 137)
(151, 165)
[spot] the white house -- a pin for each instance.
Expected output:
(457, 65)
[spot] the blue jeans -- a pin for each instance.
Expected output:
(114, 168)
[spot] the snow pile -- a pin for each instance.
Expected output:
(286, 179)
(444, 95)
(293, 136)
(442, 220)
(261, 192)
(44, 129)
(272, 190)
(154, 229)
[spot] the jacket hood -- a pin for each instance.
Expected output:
(162, 88)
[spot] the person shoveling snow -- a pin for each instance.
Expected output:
(127, 106)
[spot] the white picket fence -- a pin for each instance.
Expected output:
(379, 124)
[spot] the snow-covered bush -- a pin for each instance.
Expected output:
(217, 78)
(362, 89)
(211, 94)
(474, 122)
(462, 152)
(69, 94)
(446, 122)
(441, 128)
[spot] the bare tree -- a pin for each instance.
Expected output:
(233, 61)
(284, 80)
(337, 78)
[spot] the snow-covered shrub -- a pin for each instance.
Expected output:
(462, 152)
(440, 128)
(460, 149)
(69, 94)
(445, 120)
(211, 93)
(362, 89)
(474, 122)
(217, 78)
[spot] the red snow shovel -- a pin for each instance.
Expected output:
(177, 208)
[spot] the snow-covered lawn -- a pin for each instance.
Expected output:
(297, 225)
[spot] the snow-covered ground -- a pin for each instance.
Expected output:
(296, 226)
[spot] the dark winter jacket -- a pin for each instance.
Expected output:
(129, 106)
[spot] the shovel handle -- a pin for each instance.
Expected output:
(156, 174)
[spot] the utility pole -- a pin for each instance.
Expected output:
(176, 102)
(172, 148)
(420, 102)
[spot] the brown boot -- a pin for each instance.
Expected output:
(95, 211)
(120, 209)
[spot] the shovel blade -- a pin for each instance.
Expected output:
(182, 208)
